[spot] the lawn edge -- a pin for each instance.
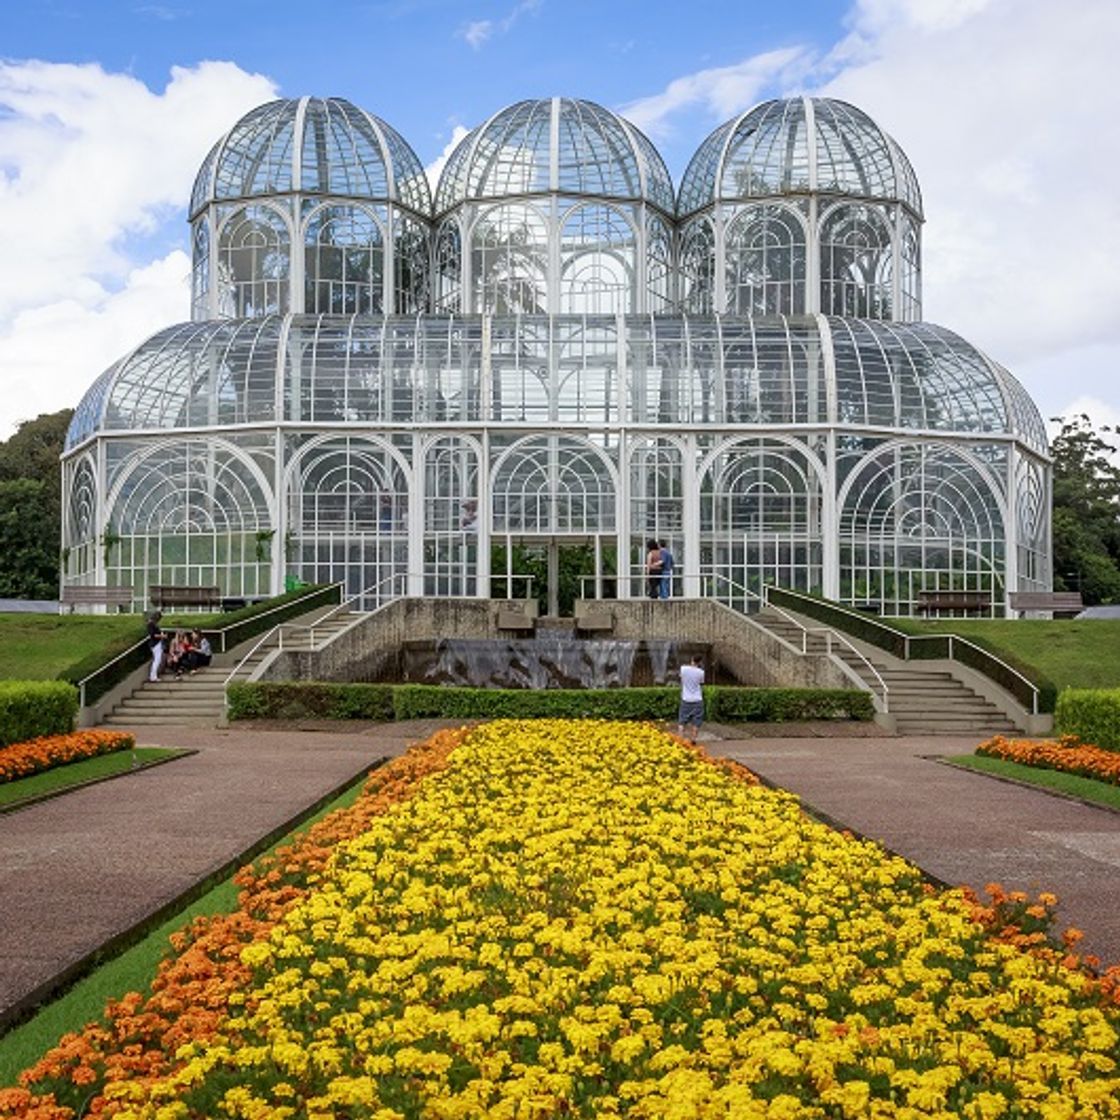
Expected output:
(1023, 783)
(27, 1005)
(35, 799)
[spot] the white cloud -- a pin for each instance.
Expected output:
(435, 168)
(722, 91)
(52, 353)
(478, 31)
(1004, 111)
(89, 160)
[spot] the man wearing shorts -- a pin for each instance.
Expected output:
(692, 698)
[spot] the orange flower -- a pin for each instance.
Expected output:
(22, 759)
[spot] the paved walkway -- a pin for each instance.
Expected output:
(80, 869)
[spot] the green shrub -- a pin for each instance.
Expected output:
(1092, 714)
(309, 700)
(29, 709)
(322, 700)
(776, 705)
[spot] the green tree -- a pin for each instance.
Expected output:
(30, 507)
(1086, 523)
(28, 541)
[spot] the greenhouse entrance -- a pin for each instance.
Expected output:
(556, 570)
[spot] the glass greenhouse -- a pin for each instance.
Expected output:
(512, 387)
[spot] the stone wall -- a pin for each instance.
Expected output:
(370, 649)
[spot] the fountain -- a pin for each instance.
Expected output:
(553, 659)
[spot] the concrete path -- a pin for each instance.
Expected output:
(80, 869)
(959, 826)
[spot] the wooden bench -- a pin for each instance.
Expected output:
(96, 594)
(972, 602)
(166, 595)
(1063, 604)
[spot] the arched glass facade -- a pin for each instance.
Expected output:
(410, 397)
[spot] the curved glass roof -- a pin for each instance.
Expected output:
(316, 145)
(859, 374)
(555, 144)
(794, 145)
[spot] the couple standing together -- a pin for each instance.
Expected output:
(659, 569)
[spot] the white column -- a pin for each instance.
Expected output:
(690, 517)
(830, 523)
(415, 578)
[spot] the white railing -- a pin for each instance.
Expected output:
(831, 636)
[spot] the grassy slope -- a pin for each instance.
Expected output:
(1072, 654)
(35, 647)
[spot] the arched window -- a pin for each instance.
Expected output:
(253, 263)
(553, 484)
(410, 266)
(451, 517)
(698, 267)
(760, 503)
(659, 265)
(856, 263)
(191, 512)
(343, 262)
(918, 517)
(910, 264)
(509, 261)
(348, 510)
(765, 262)
(597, 262)
(200, 272)
(449, 268)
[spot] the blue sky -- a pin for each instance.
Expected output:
(412, 62)
(1004, 106)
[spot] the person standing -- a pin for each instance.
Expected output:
(653, 568)
(666, 581)
(691, 713)
(155, 641)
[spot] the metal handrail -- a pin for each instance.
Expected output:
(986, 654)
(829, 635)
(81, 685)
(510, 576)
(906, 638)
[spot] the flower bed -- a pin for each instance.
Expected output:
(23, 759)
(591, 919)
(1068, 754)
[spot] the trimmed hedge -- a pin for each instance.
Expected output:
(309, 700)
(31, 709)
(326, 700)
(1091, 714)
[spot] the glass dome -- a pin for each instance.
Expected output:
(798, 145)
(556, 144)
(894, 377)
(314, 145)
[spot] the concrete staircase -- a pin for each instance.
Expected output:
(923, 701)
(198, 700)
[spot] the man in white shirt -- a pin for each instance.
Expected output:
(692, 698)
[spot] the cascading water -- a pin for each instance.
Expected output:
(553, 660)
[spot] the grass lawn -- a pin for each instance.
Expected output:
(37, 647)
(1099, 793)
(131, 971)
(75, 773)
(1072, 654)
